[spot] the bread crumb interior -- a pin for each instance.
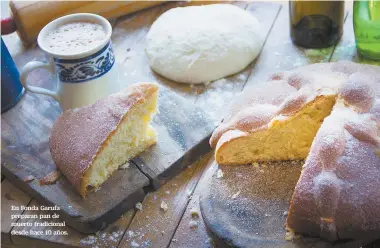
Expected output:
(133, 135)
(285, 139)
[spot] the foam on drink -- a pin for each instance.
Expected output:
(75, 37)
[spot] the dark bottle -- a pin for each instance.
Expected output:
(316, 24)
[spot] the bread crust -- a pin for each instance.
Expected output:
(337, 196)
(79, 135)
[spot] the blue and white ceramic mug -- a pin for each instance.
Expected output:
(82, 78)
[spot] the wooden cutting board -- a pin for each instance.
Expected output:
(247, 207)
(183, 132)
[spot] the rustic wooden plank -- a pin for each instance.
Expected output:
(214, 96)
(183, 133)
(26, 236)
(37, 244)
(153, 226)
(191, 231)
(10, 196)
(346, 48)
(33, 235)
(9, 246)
(108, 237)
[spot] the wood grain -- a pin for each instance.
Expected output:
(183, 131)
(10, 196)
(32, 239)
(108, 237)
(216, 95)
(186, 235)
(155, 227)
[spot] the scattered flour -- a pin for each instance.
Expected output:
(164, 206)
(219, 174)
(194, 213)
(235, 195)
(139, 206)
(124, 166)
(193, 224)
(134, 244)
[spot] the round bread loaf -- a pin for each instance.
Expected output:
(198, 44)
(328, 114)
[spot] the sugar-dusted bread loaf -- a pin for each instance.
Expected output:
(328, 114)
(88, 144)
(337, 196)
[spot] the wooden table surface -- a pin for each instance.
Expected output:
(178, 226)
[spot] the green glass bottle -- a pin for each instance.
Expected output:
(367, 28)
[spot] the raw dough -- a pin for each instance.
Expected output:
(198, 44)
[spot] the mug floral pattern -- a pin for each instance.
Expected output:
(85, 69)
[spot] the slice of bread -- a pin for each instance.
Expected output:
(90, 143)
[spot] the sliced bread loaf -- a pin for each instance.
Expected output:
(90, 143)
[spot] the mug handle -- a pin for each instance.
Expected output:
(27, 69)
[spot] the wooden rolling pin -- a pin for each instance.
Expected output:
(29, 17)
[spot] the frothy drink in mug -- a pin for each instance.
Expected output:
(81, 58)
(75, 37)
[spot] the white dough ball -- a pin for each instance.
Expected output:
(198, 44)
